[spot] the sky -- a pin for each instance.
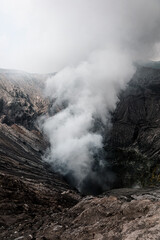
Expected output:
(46, 35)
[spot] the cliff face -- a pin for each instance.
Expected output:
(36, 203)
(135, 135)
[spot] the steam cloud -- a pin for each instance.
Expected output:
(85, 92)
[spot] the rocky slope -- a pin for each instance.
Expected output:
(27, 184)
(36, 203)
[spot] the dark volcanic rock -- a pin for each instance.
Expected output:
(135, 136)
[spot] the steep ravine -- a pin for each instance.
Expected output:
(36, 203)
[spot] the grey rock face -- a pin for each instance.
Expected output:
(135, 135)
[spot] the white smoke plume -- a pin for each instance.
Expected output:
(86, 91)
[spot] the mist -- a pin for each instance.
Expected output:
(109, 39)
(47, 35)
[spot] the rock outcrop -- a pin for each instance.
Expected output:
(135, 135)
